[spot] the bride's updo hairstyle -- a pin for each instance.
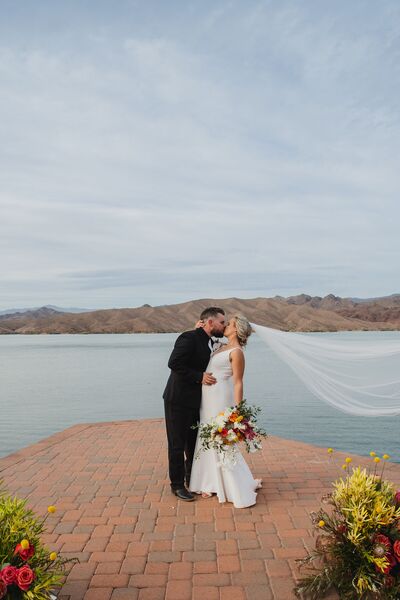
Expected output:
(243, 329)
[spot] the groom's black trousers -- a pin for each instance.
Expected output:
(182, 398)
(181, 441)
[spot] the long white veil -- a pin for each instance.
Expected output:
(357, 377)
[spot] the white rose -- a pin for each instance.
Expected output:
(220, 421)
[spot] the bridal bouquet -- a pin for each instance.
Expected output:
(28, 571)
(358, 546)
(236, 424)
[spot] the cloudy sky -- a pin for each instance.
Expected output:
(156, 152)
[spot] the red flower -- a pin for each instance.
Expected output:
(3, 589)
(8, 575)
(383, 548)
(397, 498)
(392, 563)
(249, 433)
(389, 581)
(25, 577)
(396, 549)
(25, 554)
(224, 432)
(379, 538)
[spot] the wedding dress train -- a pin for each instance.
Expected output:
(233, 483)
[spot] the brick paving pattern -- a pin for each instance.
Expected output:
(136, 541)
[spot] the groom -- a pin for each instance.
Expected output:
(182, 395)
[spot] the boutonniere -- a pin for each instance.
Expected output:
(216, 344)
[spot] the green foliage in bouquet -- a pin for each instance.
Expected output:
(28, 570)
(358, 549)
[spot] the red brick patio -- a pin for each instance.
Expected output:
(136, 541)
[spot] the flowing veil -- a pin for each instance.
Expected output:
(356, 377)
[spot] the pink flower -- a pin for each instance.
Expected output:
(24, 554)
(25, 577)
(396, 549)
(8, 575)
(3, 589)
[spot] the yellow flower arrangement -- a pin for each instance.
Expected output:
(359, 540)
(28, 571)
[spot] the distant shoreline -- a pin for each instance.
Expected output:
(42, 333)
(311, 314)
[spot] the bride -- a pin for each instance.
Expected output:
(231, 483)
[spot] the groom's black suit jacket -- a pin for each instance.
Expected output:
(187, 362)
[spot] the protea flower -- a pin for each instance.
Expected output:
(382, 546)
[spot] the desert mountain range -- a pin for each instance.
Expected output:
(295, 313)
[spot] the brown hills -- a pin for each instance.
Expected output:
(296, 313)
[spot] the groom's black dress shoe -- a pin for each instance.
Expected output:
(184, 494)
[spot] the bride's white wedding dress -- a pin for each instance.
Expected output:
(231, 483)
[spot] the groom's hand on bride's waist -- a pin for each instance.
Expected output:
(208, 379)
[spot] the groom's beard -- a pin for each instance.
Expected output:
(217, 334)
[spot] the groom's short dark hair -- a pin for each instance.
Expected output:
(211, 312)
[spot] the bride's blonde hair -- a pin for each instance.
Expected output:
(243, 329)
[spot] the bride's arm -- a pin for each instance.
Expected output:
(237, 359)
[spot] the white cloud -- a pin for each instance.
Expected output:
(253, 150)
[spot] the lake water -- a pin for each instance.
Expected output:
(50, 382)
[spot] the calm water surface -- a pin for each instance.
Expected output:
(50, 382)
